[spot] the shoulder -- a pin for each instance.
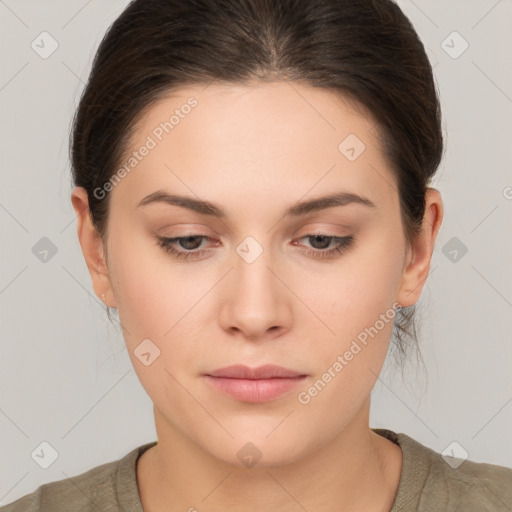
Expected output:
(475, 485)
(434, 481)
(69, 494)
(75, 493)
(93, 490)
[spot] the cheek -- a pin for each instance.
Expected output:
(354, 305)
(152, 302)
(148, 289)
(353, 292)
(160, 300)
(358, 307)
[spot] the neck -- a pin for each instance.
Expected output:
(356, 470)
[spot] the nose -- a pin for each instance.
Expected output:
(256, 302)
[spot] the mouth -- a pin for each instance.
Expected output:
(255, 385)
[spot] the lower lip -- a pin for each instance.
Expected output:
(255, 390)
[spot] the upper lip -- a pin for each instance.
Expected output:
(267, 371)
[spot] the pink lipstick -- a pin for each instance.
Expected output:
(254, 385)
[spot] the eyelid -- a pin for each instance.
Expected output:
(326, 226)
(341, 245)
(323, 229)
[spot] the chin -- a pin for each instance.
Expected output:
(257, 453)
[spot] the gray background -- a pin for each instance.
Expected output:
(65, 375)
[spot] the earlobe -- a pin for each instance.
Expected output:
(416, 272)
(92, 246)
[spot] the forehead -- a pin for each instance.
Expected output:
(274, 139)
(239, 110)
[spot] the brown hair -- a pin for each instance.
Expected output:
(367, 51)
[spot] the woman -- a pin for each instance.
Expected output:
(252, 191)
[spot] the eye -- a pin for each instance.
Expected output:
(341, 245)
(190, 245)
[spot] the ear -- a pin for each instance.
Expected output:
(420, 253)
(92, 246)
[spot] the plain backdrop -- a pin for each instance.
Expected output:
(65, 375)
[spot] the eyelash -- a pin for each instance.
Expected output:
(343, 243)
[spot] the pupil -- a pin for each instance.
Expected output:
(189, 239)
(323, 238)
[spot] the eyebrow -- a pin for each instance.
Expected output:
(302, 208)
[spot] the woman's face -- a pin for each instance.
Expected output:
(253, 285)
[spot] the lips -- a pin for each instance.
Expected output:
(268, 371)
(255, 385)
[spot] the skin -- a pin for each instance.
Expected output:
(255, 151)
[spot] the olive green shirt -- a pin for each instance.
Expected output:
(427, 483)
